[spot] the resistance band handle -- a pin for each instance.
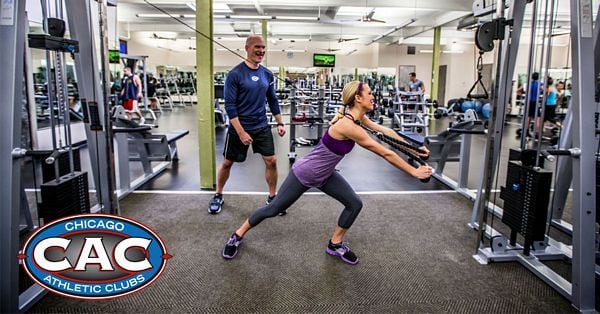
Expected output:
(384, 137)
(132, 130)
(399, 145)
(463, 131)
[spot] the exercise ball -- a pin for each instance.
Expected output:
(485, 111)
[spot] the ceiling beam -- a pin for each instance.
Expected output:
(459, 5)
(258, 7)
(440, 20)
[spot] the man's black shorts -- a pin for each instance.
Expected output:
(262, 143)
(549, 113)
(533, 107)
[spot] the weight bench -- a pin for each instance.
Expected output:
(136, 143)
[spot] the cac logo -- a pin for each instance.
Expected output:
(94, 256)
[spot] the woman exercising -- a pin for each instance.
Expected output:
(317, 169)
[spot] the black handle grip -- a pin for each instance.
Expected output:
(558, 152)
(463, 131)
(131, 130)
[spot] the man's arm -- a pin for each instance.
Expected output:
(423, 87)
(138, 84)
(272, 99)
(274, 106)
(230, 92)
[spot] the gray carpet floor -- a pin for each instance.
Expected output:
(415, 253)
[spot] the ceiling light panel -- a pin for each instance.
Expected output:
(221, 8)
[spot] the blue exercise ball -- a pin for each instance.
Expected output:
(466, 105)
(478, 105)
(485, 111)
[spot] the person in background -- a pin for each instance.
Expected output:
(152, 82)
(535, 87)
(551, 101)
(131, 93)
(416, 85)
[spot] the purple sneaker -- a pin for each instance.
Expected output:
(231, 248)
(343, 251)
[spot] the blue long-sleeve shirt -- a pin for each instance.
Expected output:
(246, 92)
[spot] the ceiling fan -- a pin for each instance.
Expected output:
(341, 39)
(368, 18)
(160, 37)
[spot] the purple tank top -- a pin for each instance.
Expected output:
(316, 167)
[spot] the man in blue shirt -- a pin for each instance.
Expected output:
(248, 87)
(535, 87)
(416, 85)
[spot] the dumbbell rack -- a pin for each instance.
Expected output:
(412, 115)
(318, 121)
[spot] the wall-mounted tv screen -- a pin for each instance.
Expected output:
(323, 60)
(114, 56)
(122, 46)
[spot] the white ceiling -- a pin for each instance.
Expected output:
(337, 19)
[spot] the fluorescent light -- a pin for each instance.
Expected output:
(269, 17)
(393, 30)
(286, 50)
(183, 16)
(230, 38)
(221, 8)
(191, 6)
(351, 52)
(294, 39)
(296, 18)
(153, 15)
(443, 51)
(268, 50)
(353, 10)
(254, 17)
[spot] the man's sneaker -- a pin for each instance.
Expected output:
(270, 199)
(214, 207)
(231, 248)
(343, 251)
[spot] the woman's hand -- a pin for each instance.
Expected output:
(423, 172)
(426, 155)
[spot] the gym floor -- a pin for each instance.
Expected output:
(411, 237)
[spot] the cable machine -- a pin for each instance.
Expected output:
(15, 294)
(527, 189)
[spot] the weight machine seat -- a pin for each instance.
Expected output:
(156, 147)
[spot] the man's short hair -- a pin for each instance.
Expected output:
(535, 76)
(412, 74)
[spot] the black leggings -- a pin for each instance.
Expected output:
(291, 190)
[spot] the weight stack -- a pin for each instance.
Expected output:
(597, 190)
(526, 198)
(64, 197)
